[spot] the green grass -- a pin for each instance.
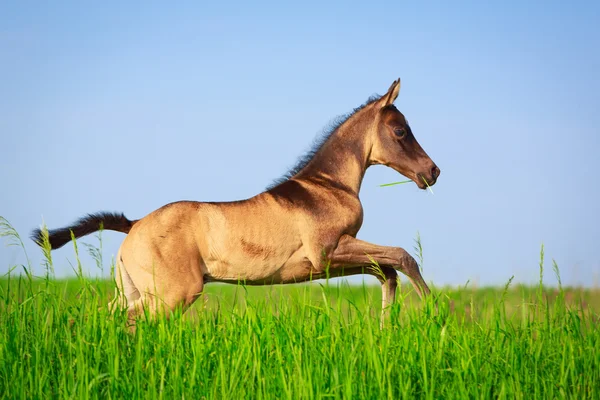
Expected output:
(319, 340)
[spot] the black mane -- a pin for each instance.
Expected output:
(319, 141)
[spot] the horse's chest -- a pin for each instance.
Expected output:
(345, 219)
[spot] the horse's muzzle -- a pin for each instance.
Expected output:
(428, 179)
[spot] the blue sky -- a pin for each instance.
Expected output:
(127, 107)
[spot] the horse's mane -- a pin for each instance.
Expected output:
(319, 141)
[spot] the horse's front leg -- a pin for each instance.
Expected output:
(389, 281)
(352, 252)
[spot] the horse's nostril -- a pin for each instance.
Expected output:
(435, 172)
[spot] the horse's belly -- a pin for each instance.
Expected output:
(248, 271)
(276, 269)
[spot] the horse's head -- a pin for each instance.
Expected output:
(394, 144)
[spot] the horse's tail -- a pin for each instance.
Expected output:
(84, 226)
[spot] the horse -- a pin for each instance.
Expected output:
(303, 227)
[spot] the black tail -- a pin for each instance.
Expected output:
(84, 226)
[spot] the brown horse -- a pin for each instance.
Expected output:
(303, 227)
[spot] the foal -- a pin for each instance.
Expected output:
(303, 227)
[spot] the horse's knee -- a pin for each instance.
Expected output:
(406, 263)
(409, 267)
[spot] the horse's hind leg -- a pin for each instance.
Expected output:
(126, 292)
(164, 292)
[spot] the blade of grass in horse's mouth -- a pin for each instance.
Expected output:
(408, 181)
(395, 183)
(426, 183)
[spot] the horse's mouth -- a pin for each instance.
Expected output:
(422, 182)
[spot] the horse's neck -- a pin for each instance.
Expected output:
(343, 159)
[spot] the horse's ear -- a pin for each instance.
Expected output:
(391, 95)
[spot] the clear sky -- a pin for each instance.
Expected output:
(127, 107)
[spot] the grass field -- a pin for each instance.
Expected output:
(318, 340)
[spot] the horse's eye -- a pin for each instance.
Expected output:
(400, 132)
